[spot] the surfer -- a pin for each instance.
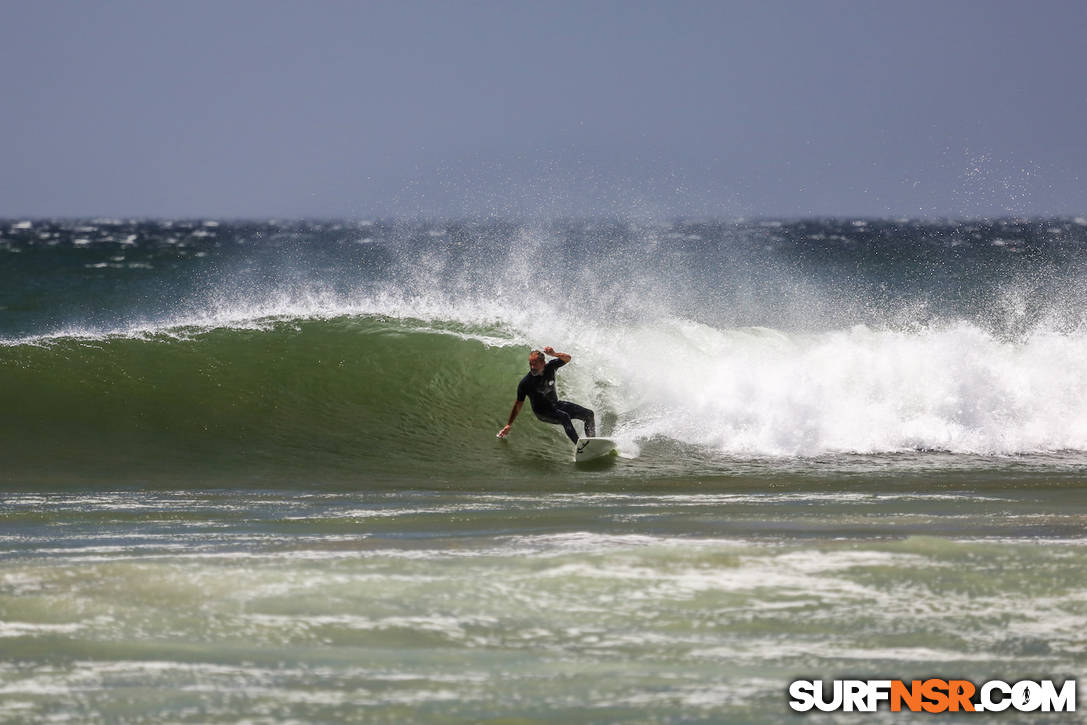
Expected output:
(539, 387)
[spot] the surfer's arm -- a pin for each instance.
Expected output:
(560, 355)
(513, 414)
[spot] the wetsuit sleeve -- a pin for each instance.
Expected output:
(556, 363)
(521, 391)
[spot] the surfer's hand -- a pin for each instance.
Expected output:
(549, 350)
(504, 432)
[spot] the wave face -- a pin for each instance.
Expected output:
(317, 351)
(342, 395)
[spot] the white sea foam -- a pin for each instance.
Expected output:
(762, 392)
(34, 629)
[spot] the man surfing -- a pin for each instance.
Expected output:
(539, 387)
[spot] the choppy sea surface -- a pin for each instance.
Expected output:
(249, 473)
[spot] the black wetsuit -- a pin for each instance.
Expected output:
(540, 390)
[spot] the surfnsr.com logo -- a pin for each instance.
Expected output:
(933, 695)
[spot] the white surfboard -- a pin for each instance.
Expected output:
(588, 449)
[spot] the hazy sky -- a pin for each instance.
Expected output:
(238, 108)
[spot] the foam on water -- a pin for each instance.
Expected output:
(201, 605)
(760, 392)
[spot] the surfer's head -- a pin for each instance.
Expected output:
(536, 362)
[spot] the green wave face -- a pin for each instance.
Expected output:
(348, 399)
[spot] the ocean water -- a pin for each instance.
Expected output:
(249, 473)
